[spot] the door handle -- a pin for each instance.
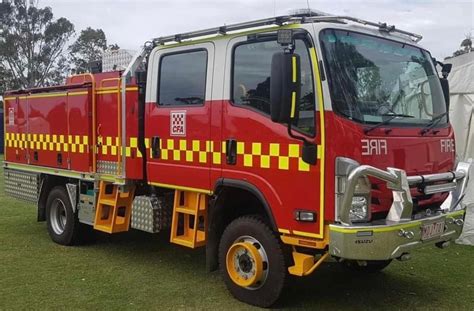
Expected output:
(155, 147)
(231, 151)
(98, 129)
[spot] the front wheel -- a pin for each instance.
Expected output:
(252, 261)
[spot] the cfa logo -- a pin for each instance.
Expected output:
(178, 123)
(374, 146)
(447, 145)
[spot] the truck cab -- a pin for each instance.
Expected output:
(338, 130)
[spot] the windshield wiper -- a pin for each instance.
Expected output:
(432, 123)
(387, 121)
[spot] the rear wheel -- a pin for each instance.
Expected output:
(252, 261)
(63, 225)
(370, 266)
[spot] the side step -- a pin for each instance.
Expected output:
(114, 206)
(189, 224)
(305, 264)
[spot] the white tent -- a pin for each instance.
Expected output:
(461, 112)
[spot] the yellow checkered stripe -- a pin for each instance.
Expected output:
(108, 145)
(48, 142)
(111, 146)
(249, 154)
(192, 151)
(285, 156)
(69, 143)
(277, 156)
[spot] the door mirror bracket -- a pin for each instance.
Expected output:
(445, 70)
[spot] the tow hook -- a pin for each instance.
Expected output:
(443, 245)
(362, 263)
(407, 234)
(404, 257)
(458, 221)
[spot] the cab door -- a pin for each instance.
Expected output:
(264, 156)
(178, 114)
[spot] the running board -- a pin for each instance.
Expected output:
(189, 224)
(114, 206)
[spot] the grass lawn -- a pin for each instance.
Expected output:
(141, 271)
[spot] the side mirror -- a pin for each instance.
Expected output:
(140, 77)
(445, 87)
(285, 87)
(446, 69)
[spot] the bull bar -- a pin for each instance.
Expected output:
(401, 231)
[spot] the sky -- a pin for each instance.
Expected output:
(443, 23)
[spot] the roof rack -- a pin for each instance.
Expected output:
(280, 20)
(381, 26)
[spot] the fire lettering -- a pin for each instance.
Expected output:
(374, 146)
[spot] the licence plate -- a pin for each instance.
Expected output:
(432, 230)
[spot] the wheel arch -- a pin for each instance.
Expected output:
(48, 182)
(228, 195)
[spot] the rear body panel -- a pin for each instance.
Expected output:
(49, 129)
(54, 127)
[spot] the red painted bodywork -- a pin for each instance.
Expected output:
(186, 173)
(407, 149)
(290, 190)
(218, 120)
(285, 190)
(44, 112)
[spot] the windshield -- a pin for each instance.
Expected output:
(371, 78)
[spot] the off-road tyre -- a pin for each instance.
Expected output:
(63, 224)
(264, 293)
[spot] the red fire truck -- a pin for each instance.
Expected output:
(310, 135)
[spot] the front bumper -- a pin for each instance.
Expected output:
(390, 241)
(401, 231)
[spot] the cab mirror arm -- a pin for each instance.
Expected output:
(309, 150)
(445, 70)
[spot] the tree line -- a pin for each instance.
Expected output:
(465, 47)
(36, 48)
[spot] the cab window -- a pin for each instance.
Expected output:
(182, 79)
(251, 79)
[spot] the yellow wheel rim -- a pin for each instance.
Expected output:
(244, 264)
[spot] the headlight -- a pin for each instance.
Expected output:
(360, 206)
(359, 211)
